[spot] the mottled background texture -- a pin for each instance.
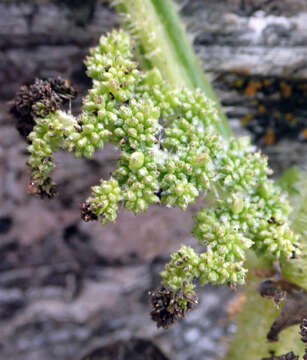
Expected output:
(68, 287)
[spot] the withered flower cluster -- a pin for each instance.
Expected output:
(38, 99)
(170, 306)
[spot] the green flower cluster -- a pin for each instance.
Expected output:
(48, 135)
(171, 152)
(184, 267)
(104, 201)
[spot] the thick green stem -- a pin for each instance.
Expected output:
(259, 313)
(254, 323)
(295, 270)
(163, 43)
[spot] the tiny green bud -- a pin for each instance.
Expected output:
(264, 190)
(179, 189)
(237, 204)
(136, 160)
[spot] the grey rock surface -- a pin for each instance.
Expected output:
(67, 287)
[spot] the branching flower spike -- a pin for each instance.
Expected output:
(171, 153)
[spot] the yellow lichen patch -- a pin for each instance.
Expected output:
(252, 88)
(261, 109)
(238, 83)
(290, 118)
(286, 89)
(246, 118)
(269, 137)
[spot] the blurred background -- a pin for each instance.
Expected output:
(68, 287)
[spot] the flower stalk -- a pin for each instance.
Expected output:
(162, 43)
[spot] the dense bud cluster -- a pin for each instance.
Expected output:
(49, 134)
(171, 153)
(104, 201)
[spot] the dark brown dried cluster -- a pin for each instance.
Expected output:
(87, 212)
(303, 328)
(46, 190)
(38, 99)
(167, 306)
(288, 356)
(294, 300)
(271, 289)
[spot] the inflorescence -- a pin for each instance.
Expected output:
(171, 153)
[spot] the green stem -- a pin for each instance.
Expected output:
(163, 43)
(295, 270)
(259, 313)
(254, 323)
(182, 47)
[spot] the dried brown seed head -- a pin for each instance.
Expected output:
(38, 99)
(47, 189)
(87, 212)
(168, 306)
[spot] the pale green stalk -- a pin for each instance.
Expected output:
(259, 313)
(254, 323)
(295, 270)
(162, 42)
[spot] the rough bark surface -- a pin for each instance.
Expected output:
(67, 287)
